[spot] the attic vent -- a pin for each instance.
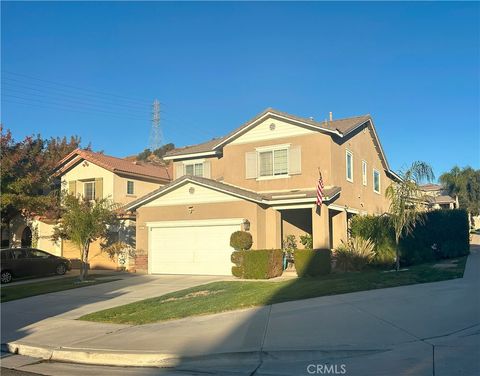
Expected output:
(272, 126)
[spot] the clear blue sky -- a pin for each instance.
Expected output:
(213, 66)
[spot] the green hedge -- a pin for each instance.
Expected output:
(443, 235)
(379, 230)
(258, 264)
(241, 240)
(312, 262)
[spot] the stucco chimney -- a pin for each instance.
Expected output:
(331, 115)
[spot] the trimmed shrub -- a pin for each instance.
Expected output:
(443, 235)
(241, 240)
(312, 262)
(380, 231)
(354, 255)
(257, 264)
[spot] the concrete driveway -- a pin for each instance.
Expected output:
(24, 316)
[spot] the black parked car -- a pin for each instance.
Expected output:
(23, 262)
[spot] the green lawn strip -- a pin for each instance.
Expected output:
(230, 295)
(26, 290)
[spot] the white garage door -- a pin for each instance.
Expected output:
(191, 247)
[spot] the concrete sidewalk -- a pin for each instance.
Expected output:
(421, 329)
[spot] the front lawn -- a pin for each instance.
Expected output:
(226, 296)
(44, 287)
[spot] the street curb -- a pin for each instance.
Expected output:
(123, 358)
(168, 360)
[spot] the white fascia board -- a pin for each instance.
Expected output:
(290, 201)
(191, 155)
(198, 222)
(288, 207)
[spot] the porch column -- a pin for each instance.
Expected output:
(273, 227)
(320, 227)
(339, 230)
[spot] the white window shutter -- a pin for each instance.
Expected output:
(206, 169)
(178, 170)
(251, 165)
(295, 160)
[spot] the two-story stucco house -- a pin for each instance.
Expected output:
(95, 175)
(436, 197)
(262, 177)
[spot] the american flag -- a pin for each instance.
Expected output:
(320, 190)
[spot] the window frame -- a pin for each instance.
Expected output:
(273, 150)
(193, 164)
(364, 173)
(375, 171)
(349, 153)
(85, 183)
(133, 187)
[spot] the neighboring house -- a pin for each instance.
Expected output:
(438, 198)
(262, 178)
(93, 176)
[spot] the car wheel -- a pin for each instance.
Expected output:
(6, 277)
(61, 269)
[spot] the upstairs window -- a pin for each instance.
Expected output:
(89, 190)
(349, 165)
(376, 181)
(273, 162)
(364, 172)
(130, 187)
(194, 169)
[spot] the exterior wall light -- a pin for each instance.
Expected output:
(246, 225)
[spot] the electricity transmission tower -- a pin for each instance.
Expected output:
(156, 137)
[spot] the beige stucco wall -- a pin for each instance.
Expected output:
(315, 150)
(141, 188)
(114, 186)
(96, 258)
(355, 194)
(44, 241)
(87, 171)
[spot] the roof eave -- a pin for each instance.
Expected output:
(192, 155)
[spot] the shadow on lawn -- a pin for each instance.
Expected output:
(351, 332)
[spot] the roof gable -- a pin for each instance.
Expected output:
(270, 128)
(189, 193)
(113, 164)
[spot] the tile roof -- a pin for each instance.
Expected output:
(116, 165)
(444, 199)
(431, 187)
(237, 191)
(343, 126)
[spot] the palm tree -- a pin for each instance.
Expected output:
(407, 201)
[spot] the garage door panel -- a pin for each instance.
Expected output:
(191, 249)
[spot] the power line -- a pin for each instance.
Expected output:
(70, 102)
(61, 92)
(141, 101)
(66, 108)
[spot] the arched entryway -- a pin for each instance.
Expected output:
(27, 237)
